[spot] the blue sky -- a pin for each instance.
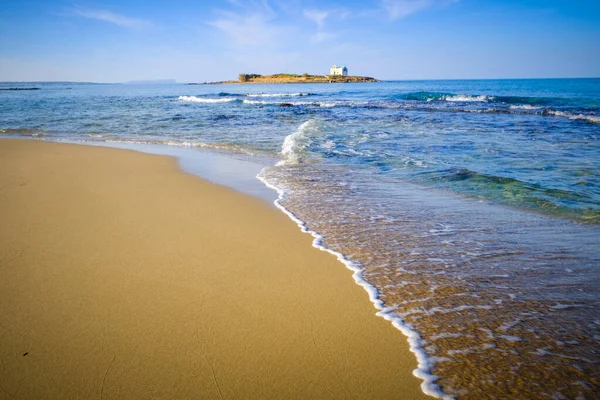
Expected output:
(197, 41)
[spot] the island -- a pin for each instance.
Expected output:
(294, 78)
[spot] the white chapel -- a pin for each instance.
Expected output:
(339, 71)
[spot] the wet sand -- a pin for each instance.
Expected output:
(123, 277)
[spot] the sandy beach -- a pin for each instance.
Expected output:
(123, 277)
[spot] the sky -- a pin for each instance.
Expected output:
(213, 40)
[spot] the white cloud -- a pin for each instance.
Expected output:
(247, 30)
(108, 16)
(253, 23)
(397, 9)
(317, 16)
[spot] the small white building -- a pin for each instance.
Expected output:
(339, 71)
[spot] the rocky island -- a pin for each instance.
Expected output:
(294, 78)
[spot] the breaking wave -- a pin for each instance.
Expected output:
(278, 94)
(295, 145)
(297, 94)
(454, 97)
(194, 99)
(593, 119)
(323, 104)
(435, 96)
(497, 105)
(524, 107)
(468, 98)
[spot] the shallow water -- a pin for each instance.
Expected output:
(472, 207)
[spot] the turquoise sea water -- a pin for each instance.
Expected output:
(472, 207)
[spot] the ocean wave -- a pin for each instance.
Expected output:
(498, 105)
(532, 101)
(494, 106)
(194, 99)
(524, 107)
(423, 96)
(278, 94)
(226, 94)
(593, 119)
(523, 102)
(468, 98)
(262, 102)
(323, 104)
(451, 97)
(296, 144)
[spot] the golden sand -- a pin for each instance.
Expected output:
(123, 277)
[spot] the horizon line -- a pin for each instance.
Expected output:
(175, 82)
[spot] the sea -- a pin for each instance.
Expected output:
(468, 209)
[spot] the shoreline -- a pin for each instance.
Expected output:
(236, 171)
(423, 370)
(129, 293)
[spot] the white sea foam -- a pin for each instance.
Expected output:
(510, 338)
(594, 119)
(559, 306)
(489, 332)
(424, 362)
(524, 107)
(446, 335)
(442, 310)
(463, 351)
(506, 326)
(267, 102)
(467, 98)
(246, 101)
(194, 99)
(331, 104)
(295, 103)
(328, 145)
(277, 94)
(296, 144)
(323, 104)
(177, 143)
(438, 359)
(544, 352)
